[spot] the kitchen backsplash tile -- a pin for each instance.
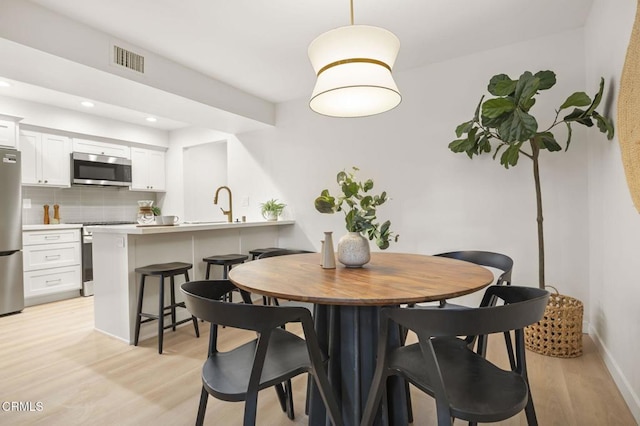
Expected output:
(83, 204)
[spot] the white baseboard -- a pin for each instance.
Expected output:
(629, 395)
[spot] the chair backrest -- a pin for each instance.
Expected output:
(203, 301)
(522, 306)
(282, 252)
(485, 258)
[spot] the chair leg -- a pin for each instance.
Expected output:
(139, 310)
(530, 411)
(161, 314)
(173, 302)
(250, 409)
(202, 408)
(409, 406)
(378, 385)
(281, 396)
(206, 275)
(289, 399)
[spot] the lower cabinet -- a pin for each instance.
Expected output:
(52, 264)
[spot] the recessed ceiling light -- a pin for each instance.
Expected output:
(4, 84)
(87, 104)
(151, 119)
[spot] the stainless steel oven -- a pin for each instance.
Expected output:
(87, 262)
(87, 254)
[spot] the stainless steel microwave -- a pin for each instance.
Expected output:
(100, 170)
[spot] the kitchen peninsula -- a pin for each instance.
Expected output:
(118, 250)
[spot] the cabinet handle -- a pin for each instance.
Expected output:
(46, 181)
(52, 257)
(52, 237)
(39, 181)
(52, 282)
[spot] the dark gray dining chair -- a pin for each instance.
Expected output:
(274, 357)
(463, 382)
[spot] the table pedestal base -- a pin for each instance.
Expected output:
(349, 335)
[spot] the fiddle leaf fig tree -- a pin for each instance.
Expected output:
(505, 125)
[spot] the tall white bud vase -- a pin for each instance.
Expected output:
(353, 250)
(328, 255)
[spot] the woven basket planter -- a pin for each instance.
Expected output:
(559, 332)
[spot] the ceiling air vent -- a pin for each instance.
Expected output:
(128, 59)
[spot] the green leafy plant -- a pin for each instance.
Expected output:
(156, 211)
(272, 207)
(507, 120)
(359, 208)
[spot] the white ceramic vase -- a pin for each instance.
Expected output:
(353, 250)
(271, 217)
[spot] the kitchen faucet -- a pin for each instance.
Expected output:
(229, 212)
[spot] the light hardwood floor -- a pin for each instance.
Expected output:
(50, 354)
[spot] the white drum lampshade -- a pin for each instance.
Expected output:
(353, 67)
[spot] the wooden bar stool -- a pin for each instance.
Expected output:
(255, 253)
(163, 270)
(226, 261)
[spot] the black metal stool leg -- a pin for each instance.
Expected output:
(161, 315)
(225, 275)
(173, 303)
(139, 310)
(194, 319)
(206, 275)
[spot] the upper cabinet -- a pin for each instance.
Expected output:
(101, 148)
(45, 159)
(147, 170)
(8, 131)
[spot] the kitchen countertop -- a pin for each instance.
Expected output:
(51, 227)
(182, 227)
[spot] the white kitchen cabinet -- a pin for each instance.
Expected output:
(52, 264)
(46, 159)
(101, 148)
(8, 129)
(147, 170)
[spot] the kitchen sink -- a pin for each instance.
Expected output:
(202, 222)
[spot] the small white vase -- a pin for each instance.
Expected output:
(328, 256)
(271, 217)
(353, 250)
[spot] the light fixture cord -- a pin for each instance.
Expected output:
(351, 12)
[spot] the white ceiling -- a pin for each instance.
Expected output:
(260, 46)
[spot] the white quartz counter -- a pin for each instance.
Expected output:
(182, 227)
(51, 227)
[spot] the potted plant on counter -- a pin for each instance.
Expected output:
(360, 209)
(271, 209)
(506, 119)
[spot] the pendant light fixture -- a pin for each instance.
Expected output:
(353, 67)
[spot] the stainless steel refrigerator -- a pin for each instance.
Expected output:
(11, 281)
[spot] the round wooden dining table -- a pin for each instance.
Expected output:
(347, 303)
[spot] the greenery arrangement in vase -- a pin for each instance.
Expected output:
(360, 208)
(507, 119)
(271, 209)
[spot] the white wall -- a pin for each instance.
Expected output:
(614, 223)
(173, 201)
(205, 170)
(439, 200)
